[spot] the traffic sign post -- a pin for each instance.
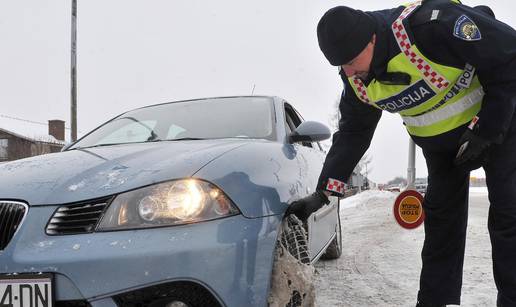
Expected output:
(411, 170)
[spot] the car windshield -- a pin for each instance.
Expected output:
(238, 117)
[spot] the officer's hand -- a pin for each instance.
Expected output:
(473, 150)
(303, 207)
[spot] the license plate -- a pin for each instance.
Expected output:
(26, 290)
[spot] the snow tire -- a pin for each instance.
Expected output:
(292, 281)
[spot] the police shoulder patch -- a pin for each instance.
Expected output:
(466, 29)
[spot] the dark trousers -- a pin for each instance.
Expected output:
(446, 210)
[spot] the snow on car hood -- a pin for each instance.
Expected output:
(89, 173)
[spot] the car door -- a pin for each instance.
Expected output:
(322, 224)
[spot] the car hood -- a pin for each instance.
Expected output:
(90, 173)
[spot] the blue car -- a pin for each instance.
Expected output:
(175, 204)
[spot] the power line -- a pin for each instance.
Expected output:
(28, 121)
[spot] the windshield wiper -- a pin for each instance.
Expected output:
(98, 145)
(185, 139)
(220, 138)
(153, 137)
(151, 141)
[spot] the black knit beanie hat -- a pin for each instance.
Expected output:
(343, 33)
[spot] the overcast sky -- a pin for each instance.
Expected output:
(133, 53)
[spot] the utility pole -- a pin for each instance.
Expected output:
(74, 72)
(411, 171)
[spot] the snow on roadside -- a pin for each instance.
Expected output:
(369, 196)
(478, 191)
(381, 263)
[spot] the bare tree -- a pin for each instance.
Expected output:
(334, 123)
(364, 162)
(363, 168)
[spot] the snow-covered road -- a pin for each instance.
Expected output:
(381, 261)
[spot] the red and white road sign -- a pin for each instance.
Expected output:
(408, 209)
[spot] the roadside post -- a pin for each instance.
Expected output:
(73, 73)
(411, 170)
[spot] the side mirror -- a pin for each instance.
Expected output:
(309, 132)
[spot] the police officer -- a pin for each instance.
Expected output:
(449, 70)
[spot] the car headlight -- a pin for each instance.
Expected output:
(165, 204)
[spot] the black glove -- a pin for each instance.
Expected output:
(472, 151)
(303, 207)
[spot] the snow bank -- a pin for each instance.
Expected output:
(477, 191)
(381, 197)
(367, 197)
(381, 262)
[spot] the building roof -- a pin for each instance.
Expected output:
(29, 130)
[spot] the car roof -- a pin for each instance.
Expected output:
(274, 98)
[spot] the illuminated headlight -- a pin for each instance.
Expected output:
(165, 204)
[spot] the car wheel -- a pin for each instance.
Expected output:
(292, 276)
(294, 239)
(334, 250)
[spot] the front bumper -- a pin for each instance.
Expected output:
(231, 257)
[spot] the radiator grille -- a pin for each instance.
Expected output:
(76, 218)
(11, 216)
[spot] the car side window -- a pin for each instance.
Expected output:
(293, 121)
(287, 126)
(290, 124)
(314, 144)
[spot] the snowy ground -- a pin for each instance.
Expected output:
(381, 261)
